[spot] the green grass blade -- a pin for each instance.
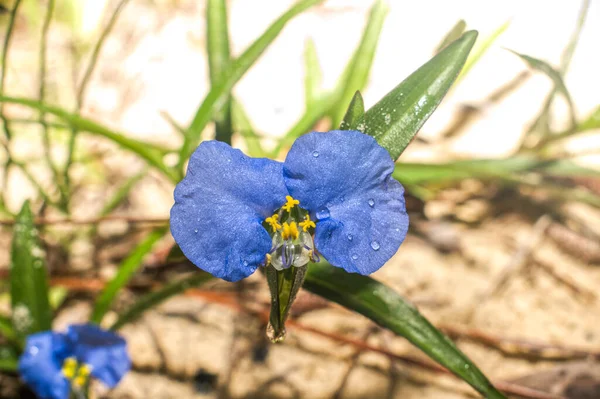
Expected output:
(153, 299)
(244, 127)
(126, 271)
(480, 49)
(31, 310)
(219, 92)
(7, 330)
(397, 117)
(313, 76)
(456, 32)
(152, 154)
(385, 307)
(355, 113)
(556, 78)
(357, 70)
(591, 122)
(9, 359)
(217, 37)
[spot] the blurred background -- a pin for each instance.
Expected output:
(503, 250)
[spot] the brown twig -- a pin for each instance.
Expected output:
(520, 346)
(95, 220)
(566, 281)
(578, 245)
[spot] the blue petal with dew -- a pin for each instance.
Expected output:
(220, 206)
(40, 365)
(344, 179)
(103, 350)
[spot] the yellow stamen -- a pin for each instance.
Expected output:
(268, 259)
(290, 230)
(291, 202)
(69, 367)
(82, 375)
(307, 223)
(272, 221)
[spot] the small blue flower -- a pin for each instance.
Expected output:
(342, 180)
(53, 362)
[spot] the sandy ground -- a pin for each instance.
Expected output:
(200, 348)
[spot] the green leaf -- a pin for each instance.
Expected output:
(152, 154)
(454, 33)
(7, 330)
(153, 299)
(354, 114)
(556, 78)
(388, 309)
(9, 359)
(313, 75)
(217, 38)
(28, 278)
(592, 121)
(357, 70)
(480, 49)
(244, 127)
(126, 271)
(397, 117)
(218, 93)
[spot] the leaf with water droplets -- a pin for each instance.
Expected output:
(354, 114)
(397, 117)
(31, 310)
(388, 309)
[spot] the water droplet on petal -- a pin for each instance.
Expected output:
(354, 256)
(245, 263)
(371, 202)
(375, 245)
(316, 154)
(34, 350)
(323, 213)
(195, 230)
(349, 237)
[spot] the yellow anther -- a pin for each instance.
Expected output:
(82, 375)
(291, 202)
(273, 222)
(69, 367)
(268, 260)
(290, 230)
(307, 223)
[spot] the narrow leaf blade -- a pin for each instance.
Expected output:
(480, 49)
(398, 116)
(217, 37)
(386, 308)
(126, 271)
(355, 113)
(312, 74)
(219, 92)
(555, 76)
(31, 310)
(357, 71)
(456, 32)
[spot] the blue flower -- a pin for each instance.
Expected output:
(336, 184)
(53, 362)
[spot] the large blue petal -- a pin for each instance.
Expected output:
(104, 351)
(344, 179)
(40, 365)
(219, 208)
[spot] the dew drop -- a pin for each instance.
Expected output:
(371, 202)
(316, 154)
(323, 213)
(245, 263)
(354, 256)
(34, 350)
(375, 245)
(349, 237)
(387, 119)
(195, 230)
